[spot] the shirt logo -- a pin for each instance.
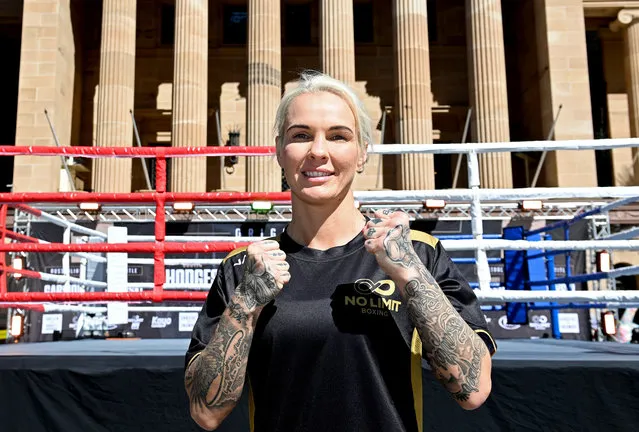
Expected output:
(384, 287)
(373, 304)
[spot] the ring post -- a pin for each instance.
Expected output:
(117, 276)
(159, 274)
(66, 259)
(3, 256)
(483, 270)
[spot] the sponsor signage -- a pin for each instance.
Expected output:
(180, 324)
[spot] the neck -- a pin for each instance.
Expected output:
(327, 225)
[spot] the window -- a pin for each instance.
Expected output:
(167, 24)
(432, 20)
(297, 24)
(363, 22)
(235, 22)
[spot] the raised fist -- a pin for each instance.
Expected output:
(265, 273)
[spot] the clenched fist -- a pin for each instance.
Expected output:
(265, 273)
(388, 238)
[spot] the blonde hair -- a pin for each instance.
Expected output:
(316, 82)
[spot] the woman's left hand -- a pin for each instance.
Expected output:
(388, 238)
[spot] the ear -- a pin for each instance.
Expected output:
(361, 160)
(277, 152)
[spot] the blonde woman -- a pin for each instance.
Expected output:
(328, 322)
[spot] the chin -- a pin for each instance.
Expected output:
(318, 196)
(314, 198)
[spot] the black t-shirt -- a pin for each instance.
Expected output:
(336, 351)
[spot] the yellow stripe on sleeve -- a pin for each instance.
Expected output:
(416, 379)
(423, 237)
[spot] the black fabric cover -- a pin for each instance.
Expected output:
(138, 386)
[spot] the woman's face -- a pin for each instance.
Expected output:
(320, 153)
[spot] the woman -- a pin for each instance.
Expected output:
(331, 319)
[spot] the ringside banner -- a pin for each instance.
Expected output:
(179, 324)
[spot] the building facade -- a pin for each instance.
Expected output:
(211, 72)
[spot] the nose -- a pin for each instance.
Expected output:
(318, 148)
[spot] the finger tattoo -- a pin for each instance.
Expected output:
(370, 232)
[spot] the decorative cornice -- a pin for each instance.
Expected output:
(624, 18)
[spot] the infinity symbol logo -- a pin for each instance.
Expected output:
(384, 287)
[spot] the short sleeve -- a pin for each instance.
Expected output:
(209, 316)
(460, 294)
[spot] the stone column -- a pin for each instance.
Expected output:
(563, 57)
(263, 174)
(115, 94)
(627, 21)
(487, 85)
(47, 71)
(338, 39)
(190, 93)
(413, 95)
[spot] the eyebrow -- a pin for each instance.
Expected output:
(302, 126)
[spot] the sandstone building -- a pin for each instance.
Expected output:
(210, 72)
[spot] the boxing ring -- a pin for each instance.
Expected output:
(525, 371)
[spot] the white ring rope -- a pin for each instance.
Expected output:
(66, 224)
(496, 296)
(505, 147)
(499, 194)
(573, 245)
(452, 245)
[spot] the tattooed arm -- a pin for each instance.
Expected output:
(458, 357)
(215, 378)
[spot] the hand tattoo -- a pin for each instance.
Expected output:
(452, 349)
(258, 286)
(399, 248)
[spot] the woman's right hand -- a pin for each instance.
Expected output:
(265, 273)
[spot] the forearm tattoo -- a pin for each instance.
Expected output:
(258, 286)
(216, 377)
(451, 347)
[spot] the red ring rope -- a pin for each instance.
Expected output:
(144, 247)
(132, 152)
(143, 197)
(17, 297)
(160, 197)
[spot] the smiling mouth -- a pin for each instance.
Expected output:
(316, 174)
